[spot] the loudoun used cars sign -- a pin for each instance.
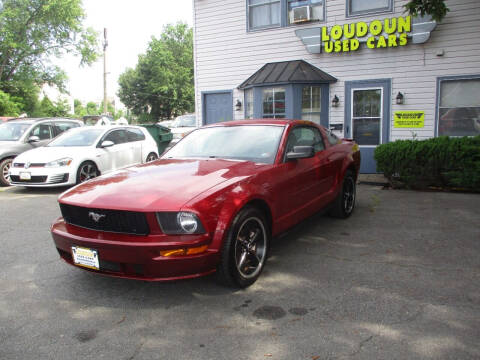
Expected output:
(390, 32)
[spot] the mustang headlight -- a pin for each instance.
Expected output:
(177, 223)
(59, 162)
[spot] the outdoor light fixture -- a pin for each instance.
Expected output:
(335, 101)
(238, 105)
(399, 98)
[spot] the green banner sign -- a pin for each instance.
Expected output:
(409, 119)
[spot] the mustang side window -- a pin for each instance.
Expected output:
(305, 136)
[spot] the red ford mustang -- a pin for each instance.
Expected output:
(211, 203)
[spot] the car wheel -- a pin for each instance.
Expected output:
(244, 251)
(345, 202)
(151, 157)
(86, 171)
(4, 167)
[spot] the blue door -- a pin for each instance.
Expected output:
(217, 107)
(367, 117)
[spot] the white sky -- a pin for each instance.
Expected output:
(130, 25)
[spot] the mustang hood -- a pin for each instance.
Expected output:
(161, 185)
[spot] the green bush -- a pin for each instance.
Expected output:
(438, 162)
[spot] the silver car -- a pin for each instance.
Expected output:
(20, 135)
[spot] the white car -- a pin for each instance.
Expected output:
(81, 154)
(181, 126)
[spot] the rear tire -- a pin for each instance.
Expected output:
(5, 165)
(86, 171)
(151, 157)
(344, 203)
(244, 251)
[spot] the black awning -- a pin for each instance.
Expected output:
(297, 71)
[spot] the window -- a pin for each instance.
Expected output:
(361, 7)
(332, 138)
(117, 137)
(459, 108)
(314, 8)
(311, 103)
(366, 117)
(263, 13)
(135, 135)
(64, 126)
(305, 136)
(43, 131)
(249, 104)
(274, 103)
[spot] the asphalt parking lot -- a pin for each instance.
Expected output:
(400, 279)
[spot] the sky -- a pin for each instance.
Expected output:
(130, 25)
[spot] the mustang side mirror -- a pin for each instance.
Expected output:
(301, 152)
(107, 143)
(33, 139)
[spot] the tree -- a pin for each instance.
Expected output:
(161, 85)
(435, 8)
(31, 31)
(8, 106)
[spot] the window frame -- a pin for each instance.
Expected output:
(349, 14)
(284, 17)
(438, 95)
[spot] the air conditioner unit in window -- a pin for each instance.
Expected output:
(300, 14)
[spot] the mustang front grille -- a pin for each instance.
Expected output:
(117, 221)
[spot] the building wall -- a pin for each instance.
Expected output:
(226, 54)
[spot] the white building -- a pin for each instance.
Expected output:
(363, 68)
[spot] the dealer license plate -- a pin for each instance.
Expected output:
(85, 257)
(25, 176)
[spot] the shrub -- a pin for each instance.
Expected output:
(438, 162)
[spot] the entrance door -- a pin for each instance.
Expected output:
(217, 107)
(367, 118)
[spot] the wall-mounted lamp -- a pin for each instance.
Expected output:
(400, 98)
(238, 105)
(335, 101)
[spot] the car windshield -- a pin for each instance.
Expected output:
(77, 137)
(184, 121)
(257, 143)
(12, 131)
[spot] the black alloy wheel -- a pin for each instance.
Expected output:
(344, 203)
(244, 252)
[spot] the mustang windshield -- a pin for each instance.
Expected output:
(257, 143)
(80, 137)
(12, 131)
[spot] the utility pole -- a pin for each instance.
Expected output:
(105, 44)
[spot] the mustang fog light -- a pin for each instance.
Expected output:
(180, 223)
(186, 251)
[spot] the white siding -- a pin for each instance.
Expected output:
(227, 54)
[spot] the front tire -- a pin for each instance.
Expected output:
(5, 165)
(244, 252)
(345, 202)
(86, 171)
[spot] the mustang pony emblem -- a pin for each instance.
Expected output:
(96, 217)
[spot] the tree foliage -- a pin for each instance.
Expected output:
(31, 32)
(161, 85)
(435, 8)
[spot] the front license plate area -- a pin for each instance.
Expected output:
(25, 176)
(85, 257)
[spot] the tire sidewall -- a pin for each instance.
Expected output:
(348, 175)
(229, 248)
(80, 167)
(3, 163)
